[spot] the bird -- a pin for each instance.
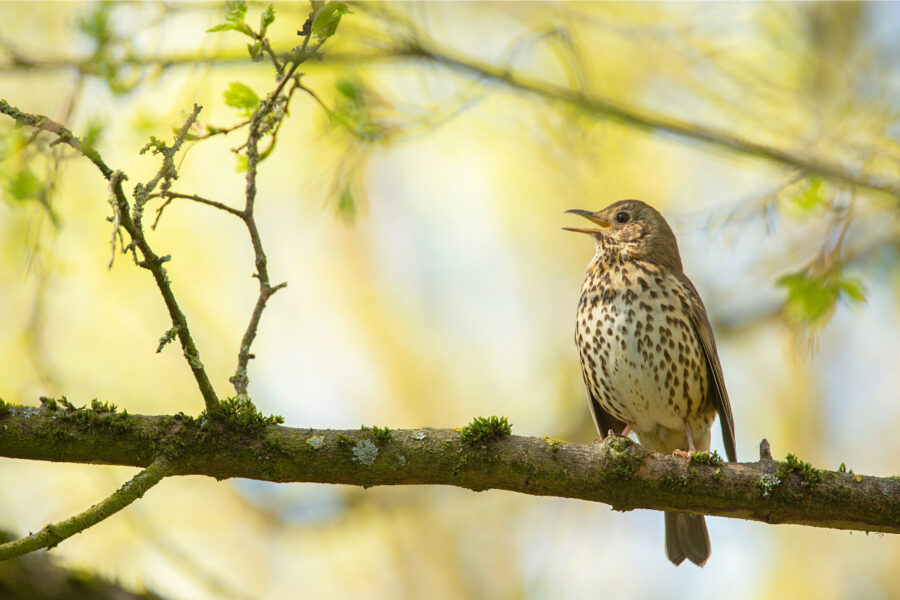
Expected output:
(648, 355)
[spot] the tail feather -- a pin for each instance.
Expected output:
(687, 537)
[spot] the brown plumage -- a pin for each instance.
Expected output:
(647, 350)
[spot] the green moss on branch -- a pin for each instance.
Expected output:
(617, 472)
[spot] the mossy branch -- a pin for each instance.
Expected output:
(53, 534)
(618, 472)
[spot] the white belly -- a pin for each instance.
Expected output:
(647, 364)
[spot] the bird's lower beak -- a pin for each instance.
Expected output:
(590, 217)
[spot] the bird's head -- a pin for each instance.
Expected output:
(634, 230)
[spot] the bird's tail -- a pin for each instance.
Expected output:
(687, 537)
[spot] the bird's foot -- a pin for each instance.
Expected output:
(600, 440)
(684, 453)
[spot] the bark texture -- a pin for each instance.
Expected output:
(617, 472)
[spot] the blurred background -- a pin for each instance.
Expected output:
(415, 210)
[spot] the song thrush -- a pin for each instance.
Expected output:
(647, 350)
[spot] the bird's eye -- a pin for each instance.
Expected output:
(623, 217)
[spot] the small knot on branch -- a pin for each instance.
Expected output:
(765, 452)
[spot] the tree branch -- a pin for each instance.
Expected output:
(617, 472)
(240, 379)
(169, 196)
(123, 217)
(51, 535)
(594, 105)
(643, 119)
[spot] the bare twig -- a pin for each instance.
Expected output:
(51, 535)
(240, 379)
(151, 261)
(314, 95)
(212, 131)
(167, 172)
(116, 219)
(169, 196)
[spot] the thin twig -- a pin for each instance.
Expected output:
(212, 131)
(273, 138)
(240, 379)
(167, 172)
(151, 261)
(315, 97)
(51, 535)
(169, 196)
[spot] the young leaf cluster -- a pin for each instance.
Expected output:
(811, 299)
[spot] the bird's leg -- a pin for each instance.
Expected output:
(627, 429)
(691, 449)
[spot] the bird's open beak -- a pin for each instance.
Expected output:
(590, 217)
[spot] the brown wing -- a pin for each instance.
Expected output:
(717, 392)
(602, 419)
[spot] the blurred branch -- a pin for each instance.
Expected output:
(123, 217)
(617, 472)
(53, 534)
(640, 118)
(598, 106)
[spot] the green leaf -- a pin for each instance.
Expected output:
(267, 18)
(95, 24)
(24, 185)
(353, 112)
(811, 300)
(328, 18)
(242, 27)
(808, 301)
(809, 197)
(241, 97)
(346, 206)
(93, 133)
(221, 27)
(235, 11)
(853, 288)
(350, 90)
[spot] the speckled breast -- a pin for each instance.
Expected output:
(639, 352)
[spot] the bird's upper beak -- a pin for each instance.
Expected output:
(590, 217)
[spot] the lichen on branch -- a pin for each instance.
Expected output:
(618, 472)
